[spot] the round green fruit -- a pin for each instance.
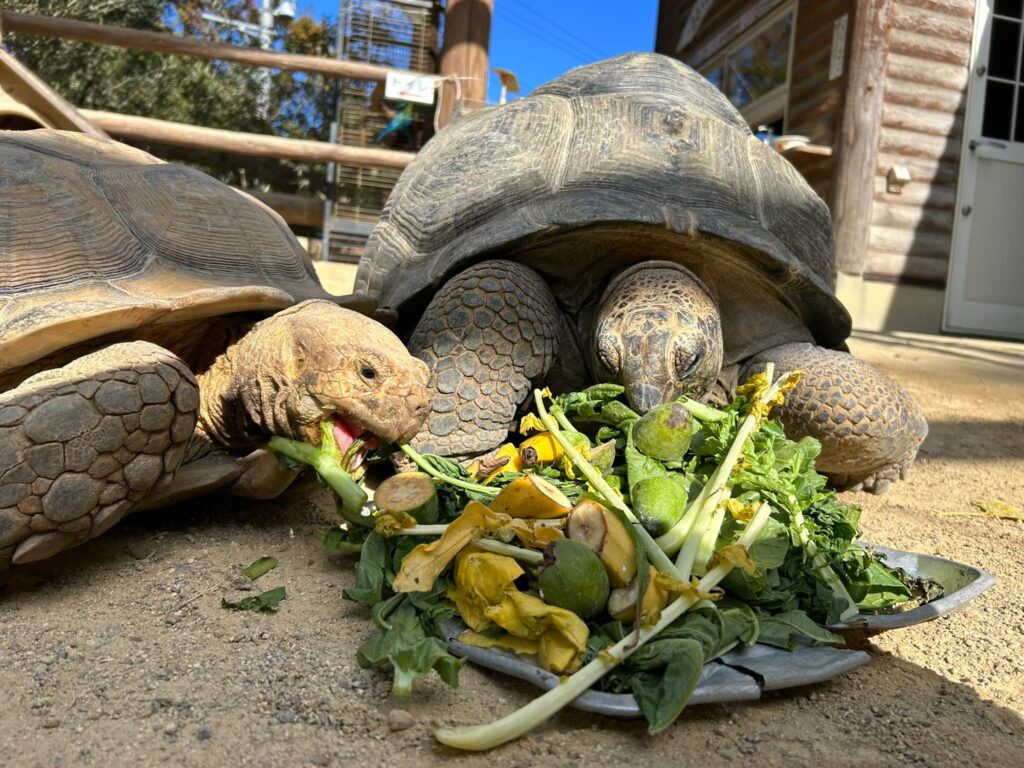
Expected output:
(658, 503)
(664, 433)
(574, 578)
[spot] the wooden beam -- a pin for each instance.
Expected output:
(104, 34)
(296, 210)
(24, 86)
(467, 35)
(857, 143)
(235, 142)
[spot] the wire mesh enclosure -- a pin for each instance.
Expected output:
(395, 33)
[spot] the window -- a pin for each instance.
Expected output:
(754, 71)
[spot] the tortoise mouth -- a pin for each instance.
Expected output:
(354, 442)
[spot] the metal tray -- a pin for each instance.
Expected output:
(742, 675)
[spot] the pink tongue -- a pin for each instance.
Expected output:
(345, 434)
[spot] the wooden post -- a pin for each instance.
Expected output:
(103, 34)
(236, 142)
(856, 147)
(467, 35)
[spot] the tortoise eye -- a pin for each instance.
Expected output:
(367, 373)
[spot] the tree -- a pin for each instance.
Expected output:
(183, 89)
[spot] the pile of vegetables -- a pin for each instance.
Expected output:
(622, 551)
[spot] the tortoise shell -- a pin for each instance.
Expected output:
(633, 158)
(98, 237)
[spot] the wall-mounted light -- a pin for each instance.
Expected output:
(896, 178)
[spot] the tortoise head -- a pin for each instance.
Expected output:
(657, 333)
(314, 362)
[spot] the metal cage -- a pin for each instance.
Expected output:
(395, 33)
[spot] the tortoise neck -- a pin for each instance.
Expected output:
(223, 416)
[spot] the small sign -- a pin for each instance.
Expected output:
(405, 86)
(835, 62)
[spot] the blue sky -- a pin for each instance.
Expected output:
(541, 39)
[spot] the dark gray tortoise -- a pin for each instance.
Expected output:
(622, 224)
(156, 327)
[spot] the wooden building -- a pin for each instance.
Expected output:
(907, 117)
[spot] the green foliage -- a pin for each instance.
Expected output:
(261, 603)
(259, 567)
(184, 89)
(409, 638)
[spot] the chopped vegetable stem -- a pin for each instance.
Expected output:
(425, 466)
(658, 557)
(352, 496)
(702, 411)
(531, 556)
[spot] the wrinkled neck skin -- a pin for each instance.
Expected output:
(243, 399)
(315, 361)
(657, 332)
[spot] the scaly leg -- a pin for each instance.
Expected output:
(868, 425)
(487, 336)
(81, 445)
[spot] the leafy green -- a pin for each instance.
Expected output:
(790, 628)
(259, 567)
(265, 601)
(406, 646)
(409, 637)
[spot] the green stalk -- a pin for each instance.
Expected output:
(531, 556)
(423, 464)
(715, 491)
(481, 737)
(702, 411)
(706, 548)
(562, 420)
(351, 495)
(658, 558)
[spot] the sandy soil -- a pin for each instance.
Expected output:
(118, 653)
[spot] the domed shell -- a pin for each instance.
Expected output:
(633, 158)
(97, 237)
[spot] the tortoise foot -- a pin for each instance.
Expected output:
(81, 445)
(868, 425)
(487, 336)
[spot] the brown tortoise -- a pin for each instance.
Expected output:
(622, 224)
(156, 327)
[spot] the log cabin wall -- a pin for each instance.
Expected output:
(814, 101)
(910, 233)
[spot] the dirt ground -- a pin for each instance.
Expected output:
(118, 653)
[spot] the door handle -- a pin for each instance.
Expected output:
(973, 144)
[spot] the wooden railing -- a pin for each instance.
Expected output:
(295, 209)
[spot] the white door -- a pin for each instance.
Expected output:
(985, 291)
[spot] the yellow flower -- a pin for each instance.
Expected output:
(393, 523)
(421, 567)
(485, 592)
(481, 580)
(562, 634)
(533, 535)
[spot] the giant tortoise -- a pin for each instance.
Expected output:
(622, 224)
(156, 327)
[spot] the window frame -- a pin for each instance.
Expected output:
(770, 106)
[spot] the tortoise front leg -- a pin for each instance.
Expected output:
(487, 336)
(80, 446)
(868, 425)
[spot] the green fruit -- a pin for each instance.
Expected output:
(658, 503)
(574, 578)
(664, 433)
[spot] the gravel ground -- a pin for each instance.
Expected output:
(118, 653)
